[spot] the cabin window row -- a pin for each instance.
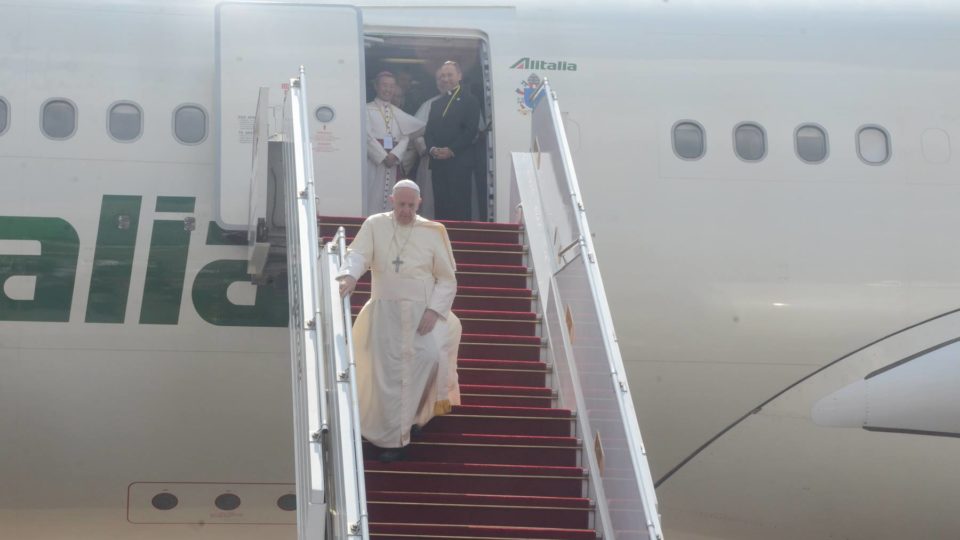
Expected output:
(59, 119)
(810, 142)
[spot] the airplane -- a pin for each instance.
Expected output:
(771, 185)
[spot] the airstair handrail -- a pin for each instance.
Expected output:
(331, 496)
(350, 520)
(307, 368)
(555, 216)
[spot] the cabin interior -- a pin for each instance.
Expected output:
(414, 61)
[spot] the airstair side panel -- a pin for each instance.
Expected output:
(580, 333)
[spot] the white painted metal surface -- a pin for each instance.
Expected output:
(259, 44)
(307, 351)
(580, 331)
(349, 516)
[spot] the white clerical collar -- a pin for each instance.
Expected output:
(452, 90)
(381, 102)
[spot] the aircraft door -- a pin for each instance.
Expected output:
(260, 45)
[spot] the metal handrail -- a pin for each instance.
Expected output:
(308, 374)
(329, 456)
(346, 369)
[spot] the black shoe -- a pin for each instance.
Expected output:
(415, 431)
(391, 454)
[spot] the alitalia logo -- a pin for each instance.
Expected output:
(546, 65)
(53, 270)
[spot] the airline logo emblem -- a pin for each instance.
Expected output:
(528, 94)
(543, 65)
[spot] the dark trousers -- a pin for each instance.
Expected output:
(452, 190)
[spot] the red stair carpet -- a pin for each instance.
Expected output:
(505, 464)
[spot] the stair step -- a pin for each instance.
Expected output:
(520, 412)
(492, 275)
(501, 373)
(476, 298)
(486, 275)
(458, 231)
(491, 247)
(484, 225)
(494, 479)
(405, 531)
(507, 390)
(512, 323)
(503, 421)
(478, 509)
(488, 449)
(499, 346)
(476, 252)
(506, 395)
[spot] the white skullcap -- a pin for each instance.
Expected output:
(409, 184)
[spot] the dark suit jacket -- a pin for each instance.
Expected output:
(456, 131)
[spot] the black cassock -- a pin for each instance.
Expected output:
(453, 123)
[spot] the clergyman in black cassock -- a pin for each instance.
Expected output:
(449, 136)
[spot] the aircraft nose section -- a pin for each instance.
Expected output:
(846, 407)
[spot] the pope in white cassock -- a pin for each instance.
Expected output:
(388, 135)
(406, 337)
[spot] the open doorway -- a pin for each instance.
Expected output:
(414, 60)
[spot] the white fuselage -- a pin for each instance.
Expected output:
(729, 280)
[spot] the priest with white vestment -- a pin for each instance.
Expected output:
(388, 135)
(424, 180)
(406, 337)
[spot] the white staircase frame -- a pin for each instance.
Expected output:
(578, 327)
(331, 495)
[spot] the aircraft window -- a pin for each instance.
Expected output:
(688, 140)
(811, 143)
(125, 121)
(750, 142)
(873, 145)
(4, 114)
(59, 119)
(190, 124)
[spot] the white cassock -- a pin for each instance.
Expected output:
(424, 179)
(404, 378)
(388, 131)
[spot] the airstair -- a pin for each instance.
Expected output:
(545, 443)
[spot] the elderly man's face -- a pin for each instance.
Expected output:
(448, 77)
(405, 202)
(386, 87)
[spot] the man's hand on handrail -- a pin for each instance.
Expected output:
(347, 285)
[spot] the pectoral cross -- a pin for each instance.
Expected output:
(396, 264)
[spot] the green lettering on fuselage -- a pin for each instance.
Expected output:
(55, 269)
(113, 258)
(211, 303)
(167, 265)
